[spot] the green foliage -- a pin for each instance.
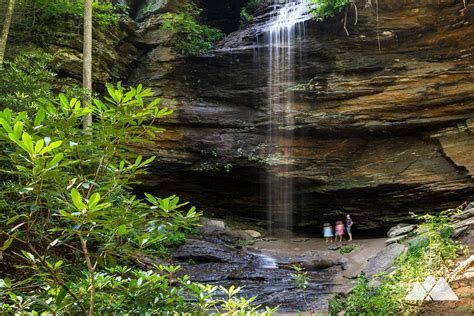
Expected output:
(69, 188)
(26, 79)
(434, 246)
(366, 299)
(189, 35)
(104, 12)
(248, 9)
(231, 305)
(125, 290)
(30, 77)
(300, 277)
(346, 249)
(245, 17)
(432, 253)
(67, 208)
(323, 9)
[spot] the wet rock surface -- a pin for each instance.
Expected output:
(274, 285)
(204, 251)
(376, 133)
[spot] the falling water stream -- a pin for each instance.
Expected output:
(281, 40)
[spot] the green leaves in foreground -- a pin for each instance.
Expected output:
(323, 9)
(68, 215)
(66, 191)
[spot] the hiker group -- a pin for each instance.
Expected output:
(340, 230)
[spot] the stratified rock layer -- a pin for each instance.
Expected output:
(378, 131)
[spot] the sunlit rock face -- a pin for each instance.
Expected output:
(376, 132)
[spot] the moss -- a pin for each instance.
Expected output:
(347, 249)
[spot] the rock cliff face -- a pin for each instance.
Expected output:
(377, 131)
(112, 46)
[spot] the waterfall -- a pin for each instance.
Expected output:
(283, 31)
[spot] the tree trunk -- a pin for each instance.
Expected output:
(91, 269)
(87, 59)
(6, 29)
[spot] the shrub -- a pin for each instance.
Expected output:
(31, 77)
(245, 17)
(26, 79)
(104, 12)
(323, 9)
(189, 36)
(125, 290)
(300, 276)
(69, 187)
(67, 211)
(248, 9)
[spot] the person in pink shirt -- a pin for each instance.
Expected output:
(339, 230)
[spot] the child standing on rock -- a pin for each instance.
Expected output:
(339, 230)
(327, 232)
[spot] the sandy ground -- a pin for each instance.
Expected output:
(295, 246)
(287, 247)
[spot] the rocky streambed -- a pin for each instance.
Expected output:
(262, 265)
(260, 272)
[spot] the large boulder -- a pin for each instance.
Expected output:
(395, 239)
(210, 225)
(383, 261)
(470, 205)
(253, 233)
(400, 229)
(216, 230)
(463, 221)
(459, 231)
